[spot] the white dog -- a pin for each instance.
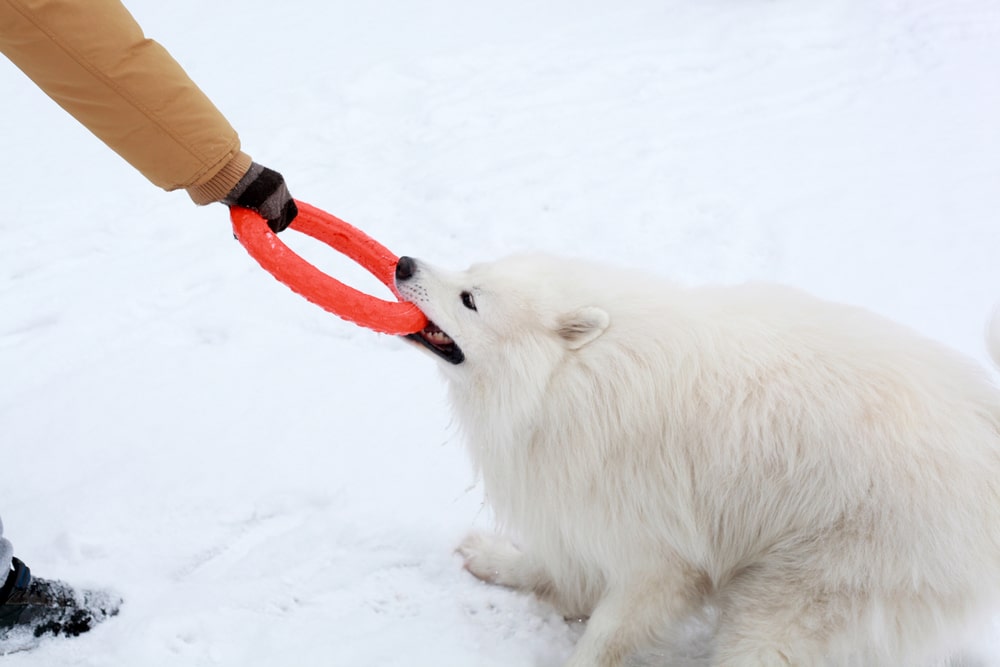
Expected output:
(828, 481)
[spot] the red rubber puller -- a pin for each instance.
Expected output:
(390, 317)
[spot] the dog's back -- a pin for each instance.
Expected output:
(993, 336)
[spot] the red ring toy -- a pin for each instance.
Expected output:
(390, 317)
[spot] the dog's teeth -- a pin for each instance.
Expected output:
(438, 337)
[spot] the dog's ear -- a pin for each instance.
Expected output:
(582, 326)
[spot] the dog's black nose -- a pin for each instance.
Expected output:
(405, 268)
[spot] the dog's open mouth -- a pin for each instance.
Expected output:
(439, 343)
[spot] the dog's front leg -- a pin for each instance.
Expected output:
(497, 560)
(634, 616)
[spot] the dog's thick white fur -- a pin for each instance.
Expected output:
(827, 480)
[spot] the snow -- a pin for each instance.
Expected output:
(266, 484)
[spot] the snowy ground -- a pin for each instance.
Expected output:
(266, 484)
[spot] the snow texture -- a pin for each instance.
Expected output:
(266, 484)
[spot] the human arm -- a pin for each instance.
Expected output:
(93, 59)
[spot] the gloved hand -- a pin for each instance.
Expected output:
(264, 191)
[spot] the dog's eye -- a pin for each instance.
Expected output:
(468, 301)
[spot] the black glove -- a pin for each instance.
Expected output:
(264, 191)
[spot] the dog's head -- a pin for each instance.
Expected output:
(524, 309)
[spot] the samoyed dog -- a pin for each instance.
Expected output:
(825, 480)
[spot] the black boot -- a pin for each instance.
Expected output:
(31, 608)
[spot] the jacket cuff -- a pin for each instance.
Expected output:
(217, 187)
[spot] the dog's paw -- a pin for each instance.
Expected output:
(492, 559)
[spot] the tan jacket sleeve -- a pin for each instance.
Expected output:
(92, 58)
